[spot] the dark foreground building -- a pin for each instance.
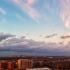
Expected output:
(29, 63)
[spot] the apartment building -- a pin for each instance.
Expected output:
(24, 64)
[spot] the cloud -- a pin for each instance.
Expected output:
(37, 10)
(2, 11)
(4, 36)
(22, 46)
(27, 6)
(65, 37)
(49, 36)
(65, 12)
(31, 2)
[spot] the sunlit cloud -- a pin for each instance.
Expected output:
(38, 14)
(27, 6)
(31, 2)
(65, 12)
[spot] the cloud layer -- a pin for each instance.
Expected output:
(23, 46)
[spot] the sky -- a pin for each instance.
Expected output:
(45, 21)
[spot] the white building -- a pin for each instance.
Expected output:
(39, 69)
